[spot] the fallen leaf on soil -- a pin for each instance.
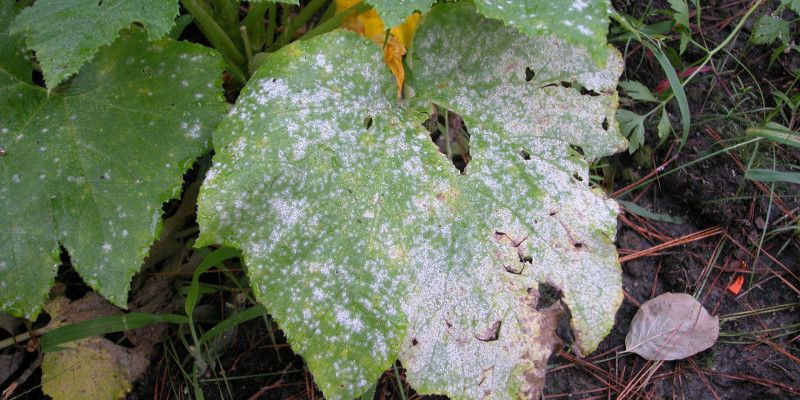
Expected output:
(9, 364)
(671, 326)
(93, 368)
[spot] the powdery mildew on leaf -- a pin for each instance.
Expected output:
(525, 196)
(581, 22)
(360, 238)
(88, 168)
(395, 12)
(313, 172)
(67, 33)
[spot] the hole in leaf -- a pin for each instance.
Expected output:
(529, 74)
(368, 122)
(414, 342)
(577, 149)
(37, 78)
(524, 155)
(548, 295)
(605, 124)
(577, 177)
(491, 333)
(578, 245)
(449, 134)
(587, 92)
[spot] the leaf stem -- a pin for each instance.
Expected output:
(399, 382)
(218, 38)
(247, 51)
(273, 10)
(336, 21)
(305, 14)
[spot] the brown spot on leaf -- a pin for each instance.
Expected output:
(489, 334)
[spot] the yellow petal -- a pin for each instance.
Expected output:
(370, 25)
(405, 31)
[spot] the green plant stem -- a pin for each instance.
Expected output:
(247, 51)
(256, 28)
(305, 14)
(22, 337)
(226, 14)
(329, 12)
(725, 42)
(286, 20)
(336, 21)
(271, 25)
(399, 382)
(218, 38)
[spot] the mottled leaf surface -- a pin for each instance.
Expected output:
(395, 12)
(313, 172)
(87, 168)
(523, 214)
(580, 22)
(361, 238)
(67, 33)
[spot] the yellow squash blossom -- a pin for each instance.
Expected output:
(371, 26)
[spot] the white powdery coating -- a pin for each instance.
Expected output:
(100, 174)
(305, 189)
(336, 218)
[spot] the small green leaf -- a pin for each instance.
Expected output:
(67, 33)
(794, 5)
(88, 168)
(768, 29)
(631, 125)
(686, 38)
(681, 14)
(664, 125)
(637, 91)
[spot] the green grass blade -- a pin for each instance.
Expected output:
(99, 326)
(777, 133)
(643, 212)
(216, 257)
(677, 88)
(236, 319)
(768, 175)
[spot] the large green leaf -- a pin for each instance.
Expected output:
(581, 22)
(360, 238)
(88, 167)
(67, 33)
(524, 213)
(308, 182)
(395, 12)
